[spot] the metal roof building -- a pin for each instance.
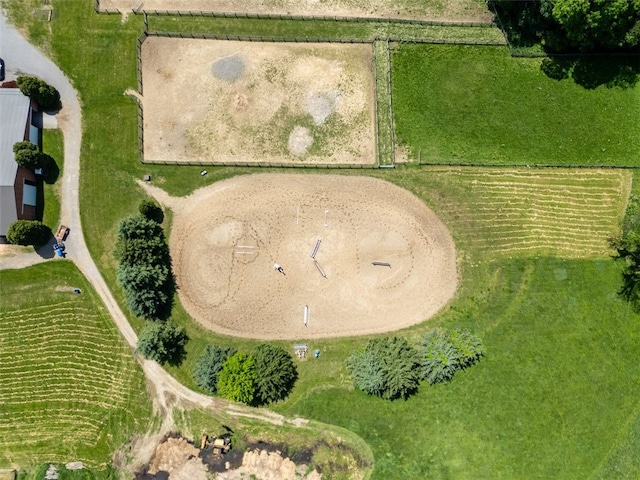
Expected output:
(15, 126)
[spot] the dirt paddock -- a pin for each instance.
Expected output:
(226, 239)
(439, 10)
(247, 102)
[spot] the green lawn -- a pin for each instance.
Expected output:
(478, 105)
(69, 387)
(52, 145)
(553, 398)
(555, 395)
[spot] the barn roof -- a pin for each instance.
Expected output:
(14, 113)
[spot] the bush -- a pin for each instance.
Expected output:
(444, 352)
(27, 232)
(40, 91)
(151, 210)
(386, 367)
(276, 373)
(29, 156)
(163, 342)
(236, 381)
(209, 365)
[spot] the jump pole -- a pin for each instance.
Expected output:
(382, 264)
(306, 315)
(315, 249)
(320, 269)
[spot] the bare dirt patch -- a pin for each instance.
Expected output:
(226, 239)
(441, 10)
(240, 102)
(178, 459)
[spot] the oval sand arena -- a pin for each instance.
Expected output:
(326, 232)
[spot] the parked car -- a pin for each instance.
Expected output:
(1, 70)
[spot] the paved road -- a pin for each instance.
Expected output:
(22, 58)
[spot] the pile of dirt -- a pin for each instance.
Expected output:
(175, 458)
(267, 465)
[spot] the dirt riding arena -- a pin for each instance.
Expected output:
(240, 102)
(439, 10)
(227, 238)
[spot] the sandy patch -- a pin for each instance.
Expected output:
(226, 239)
(240, 102)
(449, 10)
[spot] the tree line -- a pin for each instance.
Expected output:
(391, 368)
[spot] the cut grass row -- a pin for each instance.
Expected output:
(69, 387)
(510, 212)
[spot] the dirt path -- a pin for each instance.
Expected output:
(165, 391)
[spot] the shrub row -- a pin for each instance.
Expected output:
(144, 271)
(391, 368)
(265, 376)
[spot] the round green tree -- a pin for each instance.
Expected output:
(276, 373)
(386, 367)
(237, 379)
(163, 342)
(28, 232)
(40, 91)
(209, 365)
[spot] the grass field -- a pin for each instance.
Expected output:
(69, 387)
(52, 145)
(478, 105)
(555, 396)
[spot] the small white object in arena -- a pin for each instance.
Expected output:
(306, 315)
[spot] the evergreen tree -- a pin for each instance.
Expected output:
(275, 371)
(209, 365)
(163, 342)
(236, 381)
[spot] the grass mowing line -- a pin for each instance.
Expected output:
(555, 213)
(63, 377)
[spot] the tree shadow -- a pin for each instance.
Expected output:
(593, 71)
(51, 171)
(520, 21)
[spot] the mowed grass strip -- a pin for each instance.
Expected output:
(478, 105)
(69, 386)
(506, 212)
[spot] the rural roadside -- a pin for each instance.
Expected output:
(166, 392)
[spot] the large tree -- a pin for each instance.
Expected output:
(386, 367)
(594, 24)
(236, 381)
(145, 289)
(275, 371)
(144, 271)
(628, 252)
(571, 25)
(209, 365)
(163, 342)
